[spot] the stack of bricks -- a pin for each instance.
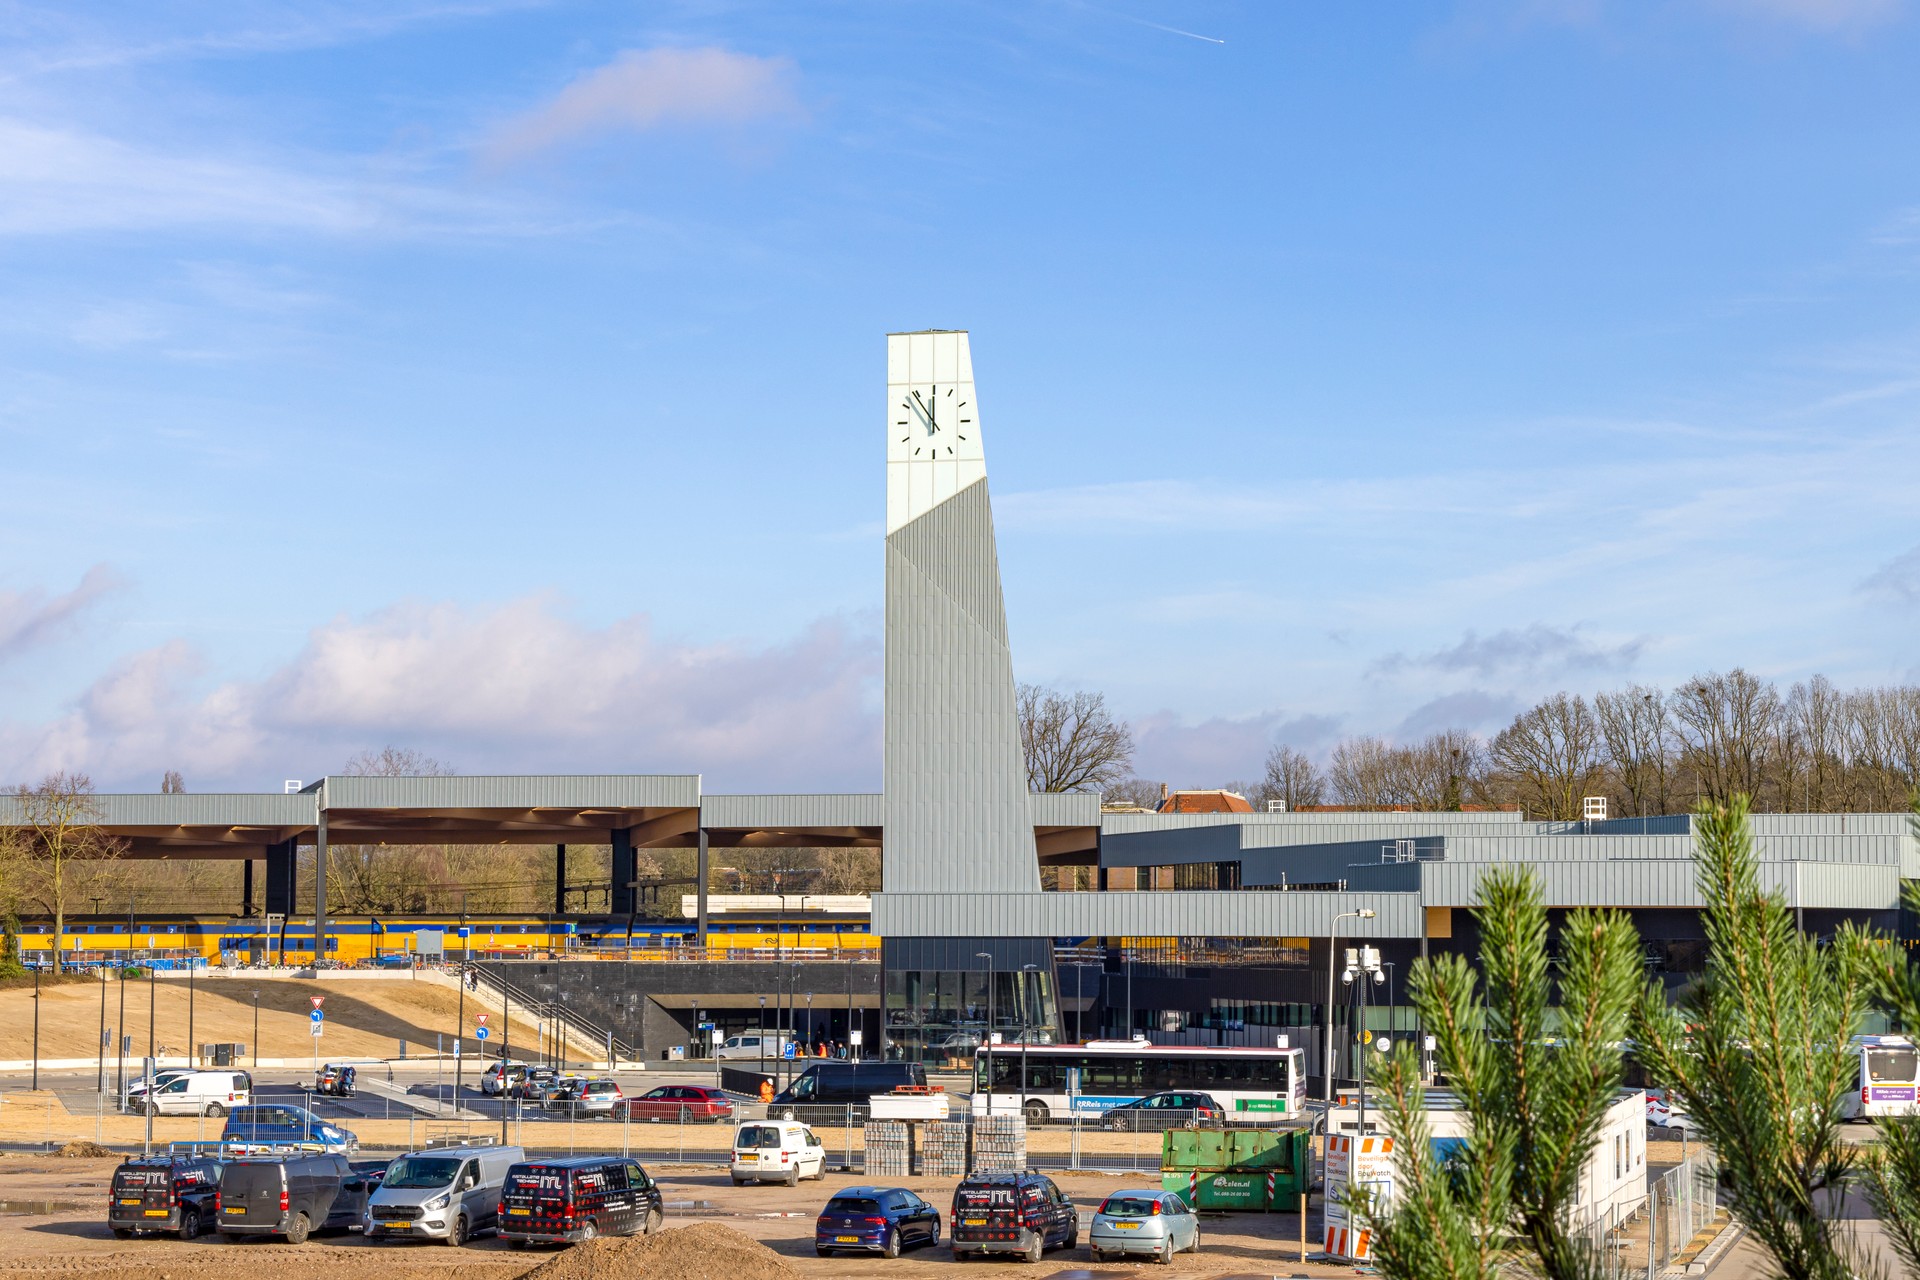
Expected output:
(1000, 1144)
(888, 1150)
(944, 1154)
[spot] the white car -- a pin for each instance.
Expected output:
(776, 1151)
(1663, 1114)
(747, 1046)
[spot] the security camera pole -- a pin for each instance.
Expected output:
(1333, 955)
(1363, 962)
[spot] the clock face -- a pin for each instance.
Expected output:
(932, 421)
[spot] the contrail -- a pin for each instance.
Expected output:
(1157, 26)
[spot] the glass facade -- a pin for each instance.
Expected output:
(943, 1015)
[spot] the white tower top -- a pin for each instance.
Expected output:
(933, 423)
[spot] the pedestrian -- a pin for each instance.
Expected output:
(766, 1091)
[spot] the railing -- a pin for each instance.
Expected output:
(1683, 1202)
(578, 1030)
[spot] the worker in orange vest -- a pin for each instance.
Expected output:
(766, 1091)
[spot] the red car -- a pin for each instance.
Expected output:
(677, 1102)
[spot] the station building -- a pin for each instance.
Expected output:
(1201, 927)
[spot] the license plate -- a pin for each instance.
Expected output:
(846, 1239)
(156, 1213)
(748, 1158)
(131, 1202)
(973, 1222)
(398, 1226)
(236, 1208)
(1126, 1226)
(524, 1213)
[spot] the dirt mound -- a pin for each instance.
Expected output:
(703, 1251)
(83, 1150)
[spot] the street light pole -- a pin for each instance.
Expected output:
(1026, 1028)
(988, 957)
(256, 1028)
(36, 1020)
(763, 1035)
(1333, 932)
(1362, 963)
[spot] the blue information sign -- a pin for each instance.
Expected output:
(479, 1033)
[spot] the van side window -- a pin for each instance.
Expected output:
(637, 1178)
(811, 1140)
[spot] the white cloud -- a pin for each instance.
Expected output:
(1898, 579)
(646, 89)
(1534, 650)
(31, 620)
(515, 688)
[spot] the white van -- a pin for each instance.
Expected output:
(199, 1093)
(734, 1048)
(776, 1151)
(448, 1194)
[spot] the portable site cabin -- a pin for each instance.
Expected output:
(1612, 1184)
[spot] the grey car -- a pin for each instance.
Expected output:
(1158, 1224)
(585, 1098)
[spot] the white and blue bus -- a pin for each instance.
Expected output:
(1253, 1086)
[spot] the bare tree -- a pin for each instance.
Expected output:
(66, 852)
(1363, 772)
(1436, 772)
(1550, 756)
(367, 878)
(1071, 741)
(172, 784)
(1639, 742)
(1726, 727)
(1291, 778)
(1136, 793)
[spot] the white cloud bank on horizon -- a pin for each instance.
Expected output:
(515, 688)
(646, 89)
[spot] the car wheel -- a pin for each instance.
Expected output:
(1195, 1246)
(189, 1224)
(123, 1233)
(653, 1223)
(1073, 1235)
(793, 1176)
(1037, 1112)
(893, 1244)
(299, 1229)
(1117, 1124)
(588, 1230)
(1099, 1255)
(1165, 1256)
(457, 1233)
(823, 1251)
(215, 1109)
(1036, 1248)
(686, 1114)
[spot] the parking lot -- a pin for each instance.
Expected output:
(52, 1220)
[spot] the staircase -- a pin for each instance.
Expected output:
(581, 1039)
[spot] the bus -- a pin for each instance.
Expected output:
(1889, 1078)
(1256, 1086)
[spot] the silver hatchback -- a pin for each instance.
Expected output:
(1156, 1223)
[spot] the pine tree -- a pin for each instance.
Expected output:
(1892, 1167)
(1758, 1053)
(1534, 1081)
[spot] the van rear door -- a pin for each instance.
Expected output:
(536, 1198)
(140, 1195)
(251, 1192)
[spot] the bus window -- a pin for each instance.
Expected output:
(1892, 1066)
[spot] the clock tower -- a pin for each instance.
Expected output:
(957, 813)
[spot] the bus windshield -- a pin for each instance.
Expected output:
(1892, 1066)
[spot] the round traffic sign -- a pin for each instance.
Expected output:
(1383, 1044)
(317, 1016)
(479, 1033)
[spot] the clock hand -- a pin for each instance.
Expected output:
(926, 411)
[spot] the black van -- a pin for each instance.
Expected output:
(294, 1195)
(834, 1086)
(163, 1193)
(1023, 1213)
(564, 1201)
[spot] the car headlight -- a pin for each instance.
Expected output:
(438, 1202)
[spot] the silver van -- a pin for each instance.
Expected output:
(448, 1194)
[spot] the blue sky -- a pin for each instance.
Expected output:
(503, 379)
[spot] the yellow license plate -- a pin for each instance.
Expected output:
(525, 1213)
(156, 1213)
(398, 1226)
(1126, 1226)
(129, 1202)
(974, 1222)
(236, 1208)
(846, 1239)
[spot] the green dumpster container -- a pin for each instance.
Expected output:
(1242, 1190)
(1196, 1149)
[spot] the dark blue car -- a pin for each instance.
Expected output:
(875, 1220)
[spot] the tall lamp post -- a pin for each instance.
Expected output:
(102, 1083)
(988, 957)
(791, 1036)
(1362, 963)
(256, 1028)
(36, 1022)
(1333, 955)
(763, 1035)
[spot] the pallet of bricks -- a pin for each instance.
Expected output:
(888, 1149)
(1000, 1144)
(943, 1154)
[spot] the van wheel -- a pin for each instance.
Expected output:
(1036, 1248)
(893, 1244)
(190, 1226)
(588, 1230)
(152, 1107)
(739, 1182)
(457, 1233)
(653, 1223)
(516, 1244)
(793, 1176)
(299, 1229)
(214, 1109)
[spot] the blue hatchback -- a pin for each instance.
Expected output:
(282, 1126)
(875, 1220)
